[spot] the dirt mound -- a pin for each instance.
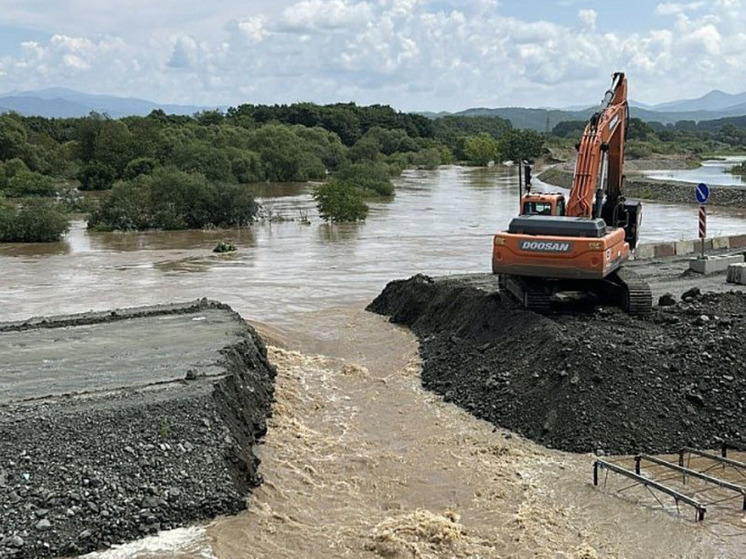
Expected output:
(580, 382)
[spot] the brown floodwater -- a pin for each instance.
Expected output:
(440, 222)
(359, 461)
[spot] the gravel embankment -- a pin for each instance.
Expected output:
(85, 471)
(580, 382)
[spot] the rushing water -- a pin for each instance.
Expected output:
(440, 222)
(711, 172)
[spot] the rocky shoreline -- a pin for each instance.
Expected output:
(84, 471)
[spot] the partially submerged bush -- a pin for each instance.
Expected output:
(225, 246)
(171, 199)
(37, 221)
(340, 201)
(373, 178)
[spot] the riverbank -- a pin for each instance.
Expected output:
(642, 188)
(119, 424)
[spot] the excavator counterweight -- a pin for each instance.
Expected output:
(553, 249)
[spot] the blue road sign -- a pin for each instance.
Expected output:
(703, 193)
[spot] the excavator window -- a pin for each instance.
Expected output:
(537, 208)
(560, 207)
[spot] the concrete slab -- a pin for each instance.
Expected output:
(720, 243)
(142, 350)
(713, 264)
(684, 247)
(644, 251)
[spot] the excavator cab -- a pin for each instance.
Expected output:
(543, 204)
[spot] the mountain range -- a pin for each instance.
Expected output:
(62, 102)
(59, 102)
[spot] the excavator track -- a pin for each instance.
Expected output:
(530, 296)
(635, 296)
(624, 289)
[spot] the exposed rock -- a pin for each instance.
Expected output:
(666, 300)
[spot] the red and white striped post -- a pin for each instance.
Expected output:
(702, 227)
(702, 193)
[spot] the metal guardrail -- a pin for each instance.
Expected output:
(714, 457)
(691, 473)
(650, 484)
(733, 445)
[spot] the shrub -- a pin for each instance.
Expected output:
(340, 201)
(95, 175)
(481, 149)
(29, 183)
(373, 178)
(139, 166)
(172, 199)
(34, 222)
(247, 167)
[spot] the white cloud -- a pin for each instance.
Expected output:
(328, 15)
(413, 54)
(588, 18)
(675, 8)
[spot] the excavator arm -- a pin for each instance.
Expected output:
(598, 168)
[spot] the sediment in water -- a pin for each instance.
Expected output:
(86, 470)
(581, 382)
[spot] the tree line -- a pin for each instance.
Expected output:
(687, 136)
(172, 171)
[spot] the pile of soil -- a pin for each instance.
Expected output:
(582, 382)
(83, 472)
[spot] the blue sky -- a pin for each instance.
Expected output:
(412, 54)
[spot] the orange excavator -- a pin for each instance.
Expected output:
(557, 251)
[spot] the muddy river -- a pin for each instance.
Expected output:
(359, 460)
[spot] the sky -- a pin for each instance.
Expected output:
(416, 55)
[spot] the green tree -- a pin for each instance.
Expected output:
(200, 157)
(340, 201)
(246, 167)
(173, 199)
(569, 128)
(13, 137)
(36, 221)
(481, 149)
(516, 145)
(29, 183)
(96, 175)
(139, 166)
(372, 178)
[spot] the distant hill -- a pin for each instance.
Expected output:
(545, 119)
(715, 100)
(63, 103)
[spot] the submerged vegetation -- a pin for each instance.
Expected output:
(172, 172)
